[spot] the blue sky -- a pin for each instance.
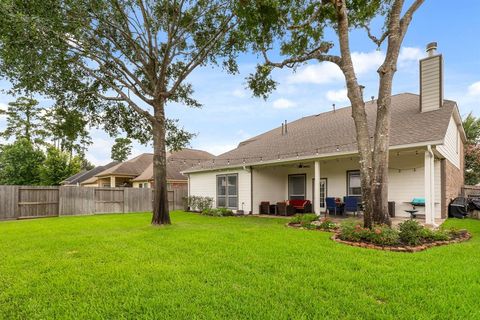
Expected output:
(230, 115)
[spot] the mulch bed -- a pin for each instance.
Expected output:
(464, 236)
(403, 248)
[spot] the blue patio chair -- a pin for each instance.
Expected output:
(351, 205)
(332, 206)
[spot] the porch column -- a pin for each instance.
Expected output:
(112, 181)
(316, 187)
(429, 187)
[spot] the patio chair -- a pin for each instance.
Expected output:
(264, 207)
(332, 206)
(284, 209)
(351, 205)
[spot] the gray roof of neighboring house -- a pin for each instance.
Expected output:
(132, 167)
(334, 131)
(177, 162)
(87, 174)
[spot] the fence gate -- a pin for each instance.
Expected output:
(38, 202)
(109, 200)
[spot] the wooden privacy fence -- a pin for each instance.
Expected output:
(17, 202)
(471, 191)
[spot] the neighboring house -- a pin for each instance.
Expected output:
(85, 175)
(138, 172)
(121, 174)
(316, 157)
(176, 162)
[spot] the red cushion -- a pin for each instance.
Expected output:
(298, 203)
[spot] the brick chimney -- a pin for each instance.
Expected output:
(431, 80)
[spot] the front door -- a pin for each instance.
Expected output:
(322, 194)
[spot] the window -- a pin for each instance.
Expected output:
(227, 191)
(140, 185)
(296, 187)
(145, 184)
(354, 187)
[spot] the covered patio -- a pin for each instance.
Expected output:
(339, 178)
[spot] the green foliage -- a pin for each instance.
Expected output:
(58, 166)
(67, 127)
(20, 163)
(297, 28)
(384, 235)
(304, 219)
(197, 203)
(351, 230)
(121, 149)
(327, 224)
(218, 212)
(471, 126)
(24, 121)
(176, 138)
(410, 232)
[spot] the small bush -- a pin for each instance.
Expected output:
(353, 231)
(196, 203)
(304, 219)
(384, 235)
(434, 235)
(218, 212)
(327, 224)
(411, 232)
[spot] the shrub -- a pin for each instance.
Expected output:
(411, 232)
(218, 212)
(304, 219)
(434, 235)
(384, 235)
(327, 224)
(353, 231)
(196, 203)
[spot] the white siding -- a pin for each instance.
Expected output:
(430, 86)
(271, 183)
(204, 184)
(450, 149)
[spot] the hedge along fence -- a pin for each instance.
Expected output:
(17, 202)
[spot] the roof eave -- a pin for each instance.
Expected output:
(319, 156)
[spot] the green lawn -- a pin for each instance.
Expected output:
(118, 266)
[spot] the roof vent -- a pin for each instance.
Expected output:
(431, 80)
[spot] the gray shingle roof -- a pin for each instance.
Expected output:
(176, 162)
(331, 132)
(85, 175)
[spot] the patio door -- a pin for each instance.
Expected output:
(323, 192)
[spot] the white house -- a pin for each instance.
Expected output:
(316, 156)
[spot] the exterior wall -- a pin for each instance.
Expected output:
(453, 146)
(453, 180)
(270, 183)
(406, 181)
(431, 83)
(136, 184)
(204, 184)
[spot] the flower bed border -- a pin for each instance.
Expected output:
(402, 248)
(398, 248)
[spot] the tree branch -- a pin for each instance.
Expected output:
(407, 17)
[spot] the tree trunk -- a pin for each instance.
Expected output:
(160, 195)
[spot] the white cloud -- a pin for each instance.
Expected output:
(337, 95)
(408, 54)
(3, 106)
(327, 72)
(239, 93)
(283, 103)
(474, 89)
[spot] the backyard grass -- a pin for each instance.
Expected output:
(119, 267)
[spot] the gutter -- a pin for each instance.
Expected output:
(310, 157)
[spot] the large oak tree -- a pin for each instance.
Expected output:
(124, 60)
(312, 30)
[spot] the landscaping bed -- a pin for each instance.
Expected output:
(410, 236)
